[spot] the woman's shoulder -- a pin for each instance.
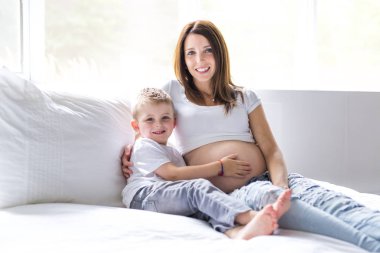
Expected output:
(172, 84)
(247, 93)
(173, 88)
(249, 98)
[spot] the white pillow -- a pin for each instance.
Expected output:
(58, 147)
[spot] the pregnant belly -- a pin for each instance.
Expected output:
(248, 152)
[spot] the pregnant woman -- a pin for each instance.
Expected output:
(216, 118)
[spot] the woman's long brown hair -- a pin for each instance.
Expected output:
(224, 91)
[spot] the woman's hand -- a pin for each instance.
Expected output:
(126, 164)
(235, 168)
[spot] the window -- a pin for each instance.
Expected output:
(10, 38)
(115, 47)
(348, 42)
(111, 47)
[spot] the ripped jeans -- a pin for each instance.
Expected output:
(317, 210)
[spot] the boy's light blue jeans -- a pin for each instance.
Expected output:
(197, 198)
(317, 210)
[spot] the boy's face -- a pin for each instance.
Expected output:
(155, 121)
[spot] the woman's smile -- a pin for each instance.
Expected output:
(203, 70)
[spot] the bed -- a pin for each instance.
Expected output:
(60, 184)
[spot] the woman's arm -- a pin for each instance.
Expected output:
(227, 166)
(266, 142)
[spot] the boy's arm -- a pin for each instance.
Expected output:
(227, 166)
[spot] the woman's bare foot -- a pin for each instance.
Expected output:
(282, 203)
(264, 223)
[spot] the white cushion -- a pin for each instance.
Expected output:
(59, 147)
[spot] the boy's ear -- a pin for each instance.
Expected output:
(135, 125)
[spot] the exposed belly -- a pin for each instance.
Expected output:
(248, 152)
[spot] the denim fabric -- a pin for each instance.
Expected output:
(317, 210)
(196, 198)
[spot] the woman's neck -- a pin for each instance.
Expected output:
(207, 96)
(205, 91)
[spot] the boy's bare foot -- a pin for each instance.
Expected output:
(264, 223)
(282, 203)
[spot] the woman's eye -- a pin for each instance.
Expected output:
(190, 53)
(208, 50)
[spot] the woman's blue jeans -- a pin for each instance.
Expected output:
(317, 210)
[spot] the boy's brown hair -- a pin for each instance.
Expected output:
(149, 96)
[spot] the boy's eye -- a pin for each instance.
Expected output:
(149, 119)
(166, 118)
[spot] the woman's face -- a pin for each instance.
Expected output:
(199, 58)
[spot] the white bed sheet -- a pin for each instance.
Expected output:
(85, 228)
(63, 227)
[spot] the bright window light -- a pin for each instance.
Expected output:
(116, 47)
(10, 35)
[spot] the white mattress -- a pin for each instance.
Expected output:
(64, 227)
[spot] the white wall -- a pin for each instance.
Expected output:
(330, 136)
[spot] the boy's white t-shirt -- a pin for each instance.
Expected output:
(200, 125)
(147, 156)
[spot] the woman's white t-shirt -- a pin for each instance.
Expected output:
(200, 125)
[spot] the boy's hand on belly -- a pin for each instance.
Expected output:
(231, 167)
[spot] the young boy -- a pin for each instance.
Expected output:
(162, 182)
